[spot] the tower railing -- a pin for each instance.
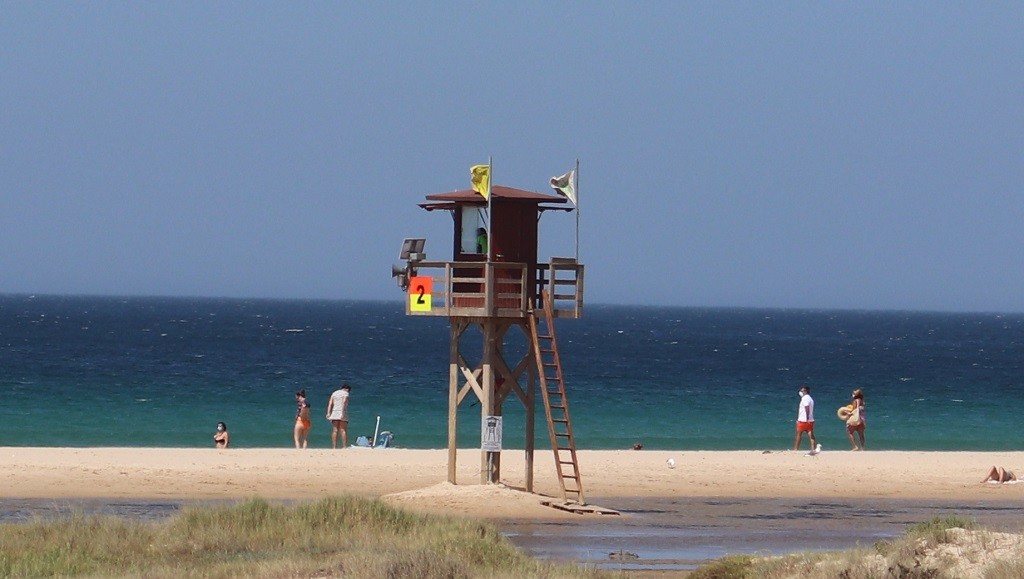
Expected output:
(562, 277)
(499, 289)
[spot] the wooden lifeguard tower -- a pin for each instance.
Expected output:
(496, 291)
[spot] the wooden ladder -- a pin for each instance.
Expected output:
(556, 405)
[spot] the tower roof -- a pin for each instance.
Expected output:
(451, 199)
(499, 192)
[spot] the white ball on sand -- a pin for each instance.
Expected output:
(671, 463)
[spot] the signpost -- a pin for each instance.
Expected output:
(490, 434)
(420, 288)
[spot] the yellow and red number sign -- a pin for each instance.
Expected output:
(419, 293)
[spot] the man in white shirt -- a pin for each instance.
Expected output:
(805, 418)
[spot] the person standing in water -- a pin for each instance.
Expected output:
(302, 422)
(221, 438)
(805, 418)
(337, 413)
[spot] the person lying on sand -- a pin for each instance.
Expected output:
(1000, 475)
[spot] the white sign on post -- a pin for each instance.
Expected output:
(490, 434)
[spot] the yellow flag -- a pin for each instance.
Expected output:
(480, 177)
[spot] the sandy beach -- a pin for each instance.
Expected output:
(417, 476)
(708, 505)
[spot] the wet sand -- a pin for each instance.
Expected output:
(672, 533)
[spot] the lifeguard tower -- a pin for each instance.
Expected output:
(498, 284)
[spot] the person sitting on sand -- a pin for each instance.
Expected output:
(221, 438)
(1000, 475)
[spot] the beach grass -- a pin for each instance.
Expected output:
(330, 537)
(941, 547)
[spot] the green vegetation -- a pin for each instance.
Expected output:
(942, 547)
(936, 529)
(731, 567)
(355, 537)
(332, 537)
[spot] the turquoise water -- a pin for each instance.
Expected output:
(95, 371)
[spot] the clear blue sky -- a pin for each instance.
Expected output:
(797, 154)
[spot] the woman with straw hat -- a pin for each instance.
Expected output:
(855, 422)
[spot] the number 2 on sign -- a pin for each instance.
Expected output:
(419, 293)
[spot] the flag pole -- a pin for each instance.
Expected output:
(576, 188)
(490, 194)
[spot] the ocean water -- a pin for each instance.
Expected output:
(104, 371)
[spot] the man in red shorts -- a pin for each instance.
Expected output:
(805, 418)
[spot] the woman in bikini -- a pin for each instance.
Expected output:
(857, 427)
(221, 438)
(1000, 475)
(302, 422)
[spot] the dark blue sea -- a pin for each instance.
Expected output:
(104, 371)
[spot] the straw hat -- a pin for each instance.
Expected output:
(844, 412)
